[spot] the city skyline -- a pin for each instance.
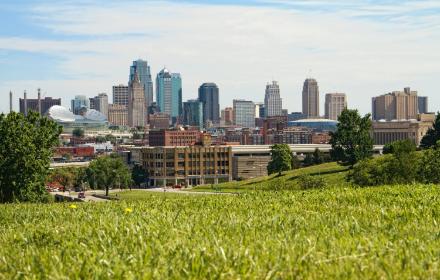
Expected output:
(65, 58)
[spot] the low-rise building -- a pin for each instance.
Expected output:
(188, 166)
(166, 137)
(248, 166)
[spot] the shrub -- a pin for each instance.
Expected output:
(307, 182)
(429, 167)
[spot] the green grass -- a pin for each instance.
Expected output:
(370, 233)
(332, 173)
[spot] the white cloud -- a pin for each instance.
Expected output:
(240, 48)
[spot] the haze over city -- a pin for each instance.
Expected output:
(361, 48)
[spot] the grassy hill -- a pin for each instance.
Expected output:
(361, 233)
(332, 173)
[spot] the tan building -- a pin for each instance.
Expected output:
(227, 116)
(136, 103)
(246, 167)
(188, 166)
(387, 132)
(397, 105)
(118, 114)
(335, 103)
(310, 99)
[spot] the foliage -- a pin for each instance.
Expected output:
(352, 142)
(332, 233)
(281, 159)
(307, 182)
(100, 139)
(433, 135)
(296, 163)
(318, 157)
(26, 144)
(139, 175)
(372, 171)
(78, 132)
(429, 168)
(108, 171)
(64, 176)
(308, 160)
(400, 147)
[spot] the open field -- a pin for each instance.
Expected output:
(385, 232)
(332, 173)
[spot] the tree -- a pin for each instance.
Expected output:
(308, 160)
(78, 132)
(400, 147)
(429, 167)
(433, 135)
(100, 139)
(139, 175)
(64, 176)
(281, 159)
(108, 171)
(352, 142)
(318, 158)
(26, 145)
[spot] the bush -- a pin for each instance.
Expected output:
(429, 167)
(371, 172)
(307, 182)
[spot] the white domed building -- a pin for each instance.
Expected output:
(92, 120)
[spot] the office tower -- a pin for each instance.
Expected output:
(397, 105)
(272, 100)
(169, 93)
(143, 71)
(423, 104)
(227, 116)
(193, 113)
(29, 104)
(100, 103)
(120, 95)
(80, 102)
(259, 107)
(136, 103)
(118, 114)
(310, 98)
(335, 103)
(209, 96)
(244, 113)
(92, 103)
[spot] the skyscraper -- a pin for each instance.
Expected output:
(136, 102)
(272, 100)
(80, 101)
(193, 113)
(310, 99)
(396, 105)
(169, 93)
(143, 71)
(244, 113)
(423, 105)
(118, 114)
(227, 116)
(120, 95)
(209, 96)
(101, 103)
(335, 103)
(28, 104)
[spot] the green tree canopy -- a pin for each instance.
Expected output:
(282, 159)
(139, 175)
(352, 142)
(318, 158)
(108, 171)
(78, 132)
(433, 135)
(26, 145)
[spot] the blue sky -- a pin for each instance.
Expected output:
(362, 48)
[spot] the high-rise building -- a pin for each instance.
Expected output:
(100, 103)
(92, 103)
(118, 114)
(244, 113)
(169, 93)
(272, 100)
(397, 105)
(80, 102)
(227, 116)
(193, 113)
(310, 98)
(259, 109)
(36, 105)
(423, 104)
(120, 95)
(335, 103)
(209, 96)
(143, 71)
(136, 103)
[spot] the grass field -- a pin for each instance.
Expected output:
(337, 232)
(332, 173)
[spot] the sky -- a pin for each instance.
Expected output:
(363, 48)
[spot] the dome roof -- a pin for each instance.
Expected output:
(94, 115)
(60, 113)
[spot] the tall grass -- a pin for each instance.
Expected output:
(374, 233)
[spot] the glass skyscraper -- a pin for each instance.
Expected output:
(209, 96)
(169, 93)
(80, 101)
(193, 113)
(143, 70)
